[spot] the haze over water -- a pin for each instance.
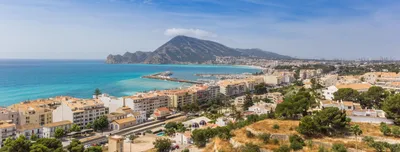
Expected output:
(22, 80)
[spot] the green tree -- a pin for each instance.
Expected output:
(385, 129)
(185, 150)
(21, 144)
(396, 131)
(260, 89)
(355, 129)
(339, 148)
(346, 94)
(39, 148)
(296, 142)
(94, 149)
(392, 107)
(171, 125)
(89, 125)
(75, 146)
(97, 92)
(34, 137)
(59, 133)
(199, 137)
(100, 123)
(250, 147)
(162, 144)
(374, 97)
(295, 105)
(265, 137)
(275, 126)
(283, 148)
(329, 121)
(75, 128)
(50, 143)
(248, 101)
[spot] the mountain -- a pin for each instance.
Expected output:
(183, 49)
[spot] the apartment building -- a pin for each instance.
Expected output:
(374, 77)
(147, 101)
(6, 114)
(7, 129)
(34, 112)
(205, 92)
(329, 80)
(50, 129)
(79, 111)
(179, 97)
(28, 130)
(309, 73)
(232, 87)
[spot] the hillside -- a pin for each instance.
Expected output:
(183, 49)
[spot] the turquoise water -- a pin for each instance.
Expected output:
(22, 80)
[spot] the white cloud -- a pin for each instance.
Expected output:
(189, 32)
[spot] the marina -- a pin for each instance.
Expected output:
(166, 76)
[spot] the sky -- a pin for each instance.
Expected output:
(93, 29)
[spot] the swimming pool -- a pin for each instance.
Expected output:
(162, 133)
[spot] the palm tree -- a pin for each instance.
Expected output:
(97, 92)
(356, 131)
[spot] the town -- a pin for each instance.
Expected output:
(295, 106)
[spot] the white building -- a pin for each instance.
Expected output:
(80, 111)
(6, 114)
(7, 129)
(30, 129)
(360, 87)
(183, 138)
(50, 129)
(328, 92)
(262, 108)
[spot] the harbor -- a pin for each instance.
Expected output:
(166, 76)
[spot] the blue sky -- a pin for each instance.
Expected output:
(92, 29)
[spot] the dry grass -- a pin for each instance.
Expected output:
(220, 145)
(285, 126)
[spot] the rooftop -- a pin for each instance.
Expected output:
(59, 123)
(125, 120)
(28, 127)
(355, 86)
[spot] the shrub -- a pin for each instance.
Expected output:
(283, 148)
(276, 127)
(249, 134)
(322, 149)
(295, 145)
(385, 129)
(396, 131)
(275, 141)
(339, 148)
(265, 137)
(185, 150)
(250, 147)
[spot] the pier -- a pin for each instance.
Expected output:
(162, 76)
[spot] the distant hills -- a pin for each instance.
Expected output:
(184, 49)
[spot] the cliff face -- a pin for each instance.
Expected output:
(183, 49)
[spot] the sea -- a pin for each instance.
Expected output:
(22, 80)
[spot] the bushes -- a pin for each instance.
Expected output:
(339, 148)
(385, 129)
(250, 147)
(249, 134)
(265, 137)
(276, 127)
(296, 142)
(283, 148)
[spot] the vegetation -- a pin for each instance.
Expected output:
(162, 144)
(97, 92)
(296, 142)
(295, 106)
(265, 137)
(248, 101)
(355, 129)
(329, 122)
(21, 144)
(283, 148)
(59, 133)
(75, 128)
(100, 123)
(346, 94)
(392, 107)
(178, 127)
(94, 149)
(34, 137)
(339, 148)
(276, 127)
(250, 147)
(75, 146)
(260, 89)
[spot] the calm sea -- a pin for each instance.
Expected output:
(22, 80)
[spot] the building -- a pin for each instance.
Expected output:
(273, 80)
(196, 123)
(275, 97)
(374, 77)
(232, 87)
(161, 113)
(183, 138)
(309, 73)
(50, 129)
(205, 92)
(360, 87)
(262, 108)
(329, 80)
(7, 129)
(122, 123)
(35, 112)
(223, 121)
(239, 101)
(6, 114)
(30, 129)
(179, 97)
(79, 111)
(115, 143)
